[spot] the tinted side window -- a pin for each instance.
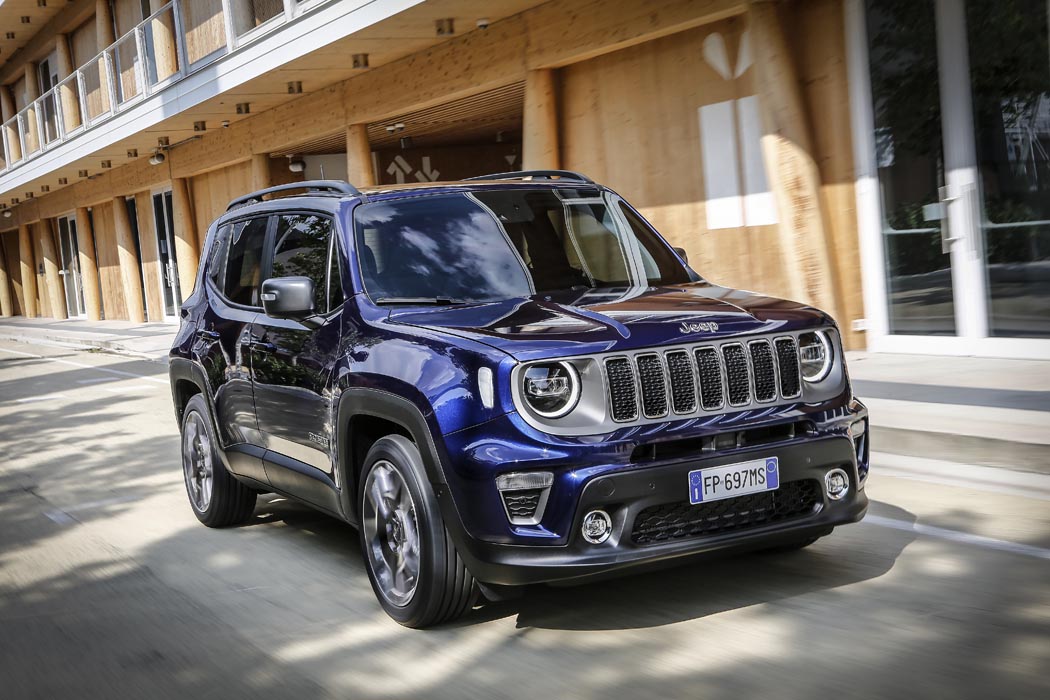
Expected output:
(217, 259)
(244, 262)
(301, 250)
(335, 284)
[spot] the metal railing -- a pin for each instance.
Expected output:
(175, 41)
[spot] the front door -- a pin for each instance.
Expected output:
(164, 225)
(69, 252)
(292, 364)
(959, 125)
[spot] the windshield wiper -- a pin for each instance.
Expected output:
(436, 301)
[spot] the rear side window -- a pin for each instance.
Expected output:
(244, 261)
(303, 247)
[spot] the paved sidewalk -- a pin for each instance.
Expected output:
(150, 340)
(992, 412)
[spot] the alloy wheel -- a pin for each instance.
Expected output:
(391, 533)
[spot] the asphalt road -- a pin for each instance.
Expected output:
(109, 588)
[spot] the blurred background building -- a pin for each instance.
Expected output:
(886, 160)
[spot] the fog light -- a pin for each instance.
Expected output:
(837, 484)
(597, 526)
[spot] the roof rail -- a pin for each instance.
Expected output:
(535, 174)
(311, 186)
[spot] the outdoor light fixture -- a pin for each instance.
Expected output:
(296, 165)
(157, 158)
(7, 213)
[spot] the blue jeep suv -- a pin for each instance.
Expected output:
(501, 381)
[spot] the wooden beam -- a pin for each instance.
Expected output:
(7, 112)
(67, 92)
(104, 24)
(6, 303)
(187, 250)
(130, 279)
(790, 165)
(32, 87)
(27, 268)
(88, 265)
(540, 149)
(562, 33)
(260, 171)
(359, 170)
(152, 274)
(56, 298)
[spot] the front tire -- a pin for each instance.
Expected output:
(217, 499)
(416, 572)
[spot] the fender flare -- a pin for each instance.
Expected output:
(358, 401)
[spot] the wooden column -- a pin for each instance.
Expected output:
(129, 262)
(67, 93)
(540, 148)
(88, 266)
(260, 172)
(790, 166)
(359, 170)
(187, 251)
(32, 93)
(6, 303)
(104, 24)
(27, 268)
(55, 292)
(162, 30)
(7, 111)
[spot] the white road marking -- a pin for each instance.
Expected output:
(125, 389)
(83, 365)
(43, 397)
(975, 477)
(95, 380)
(961, 537)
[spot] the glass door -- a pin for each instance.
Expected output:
(164, 224)
(48, 74)
(69, 252)
(960, 140)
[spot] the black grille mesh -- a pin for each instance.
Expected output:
(683, 387)
(621, 389)
(737, 383)
(710, 370)
(727, 373)
(787, 360)
(654, 392)
(522, 504)
(763, 372)
(673, 521)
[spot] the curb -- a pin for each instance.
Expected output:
(111, 346)
(967, 449)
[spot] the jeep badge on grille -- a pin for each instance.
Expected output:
(702, 327)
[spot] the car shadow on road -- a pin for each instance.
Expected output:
(694, 589)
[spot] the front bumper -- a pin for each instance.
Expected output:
(626, 494)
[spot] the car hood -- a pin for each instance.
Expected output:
(609, 320)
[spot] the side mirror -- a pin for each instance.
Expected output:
(289, 297)
(682, 254)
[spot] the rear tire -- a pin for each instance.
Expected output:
(217, 499)
(417, 575)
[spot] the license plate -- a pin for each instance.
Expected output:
(716, 483)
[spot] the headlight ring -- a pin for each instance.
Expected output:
(815, 355)
(550, 389)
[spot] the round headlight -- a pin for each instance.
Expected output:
(814, 352)
(551, 389)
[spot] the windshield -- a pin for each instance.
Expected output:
(496, 244)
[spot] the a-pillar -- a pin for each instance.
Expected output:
(6, 305)
(32, 93)
(27, 269)
(88, 265)
(7, 111)
(359, 170)
(55, 296)
(67, 93)
(129, 262)
(540, 149)
(790, 166)
(187, 252)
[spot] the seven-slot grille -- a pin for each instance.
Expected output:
(706, 378)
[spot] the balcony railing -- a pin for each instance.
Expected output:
(178, 39)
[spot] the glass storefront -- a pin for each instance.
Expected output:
(965, 238)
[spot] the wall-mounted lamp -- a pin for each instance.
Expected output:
(157, 158)
(296, 165)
